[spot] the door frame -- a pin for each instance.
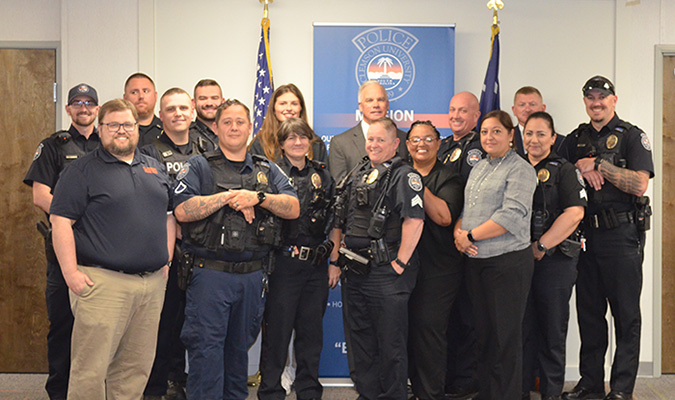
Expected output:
(46, 45)
(660, 51)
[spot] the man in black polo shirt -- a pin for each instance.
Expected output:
(140, 90)
(53, 155)
(113, 239)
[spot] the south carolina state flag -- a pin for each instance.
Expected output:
(489, 96)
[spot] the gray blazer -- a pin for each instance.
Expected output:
(349, 147)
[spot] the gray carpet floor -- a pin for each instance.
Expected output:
(31, 387)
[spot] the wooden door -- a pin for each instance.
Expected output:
(27, 115)
(668, 232)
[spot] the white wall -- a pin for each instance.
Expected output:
(552, 45)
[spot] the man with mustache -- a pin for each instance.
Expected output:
(615, 159)
(51, 157)
(208, 96)
(114, 241)
(140, 90)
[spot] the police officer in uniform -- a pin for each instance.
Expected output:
(461, 152)
(299, 285)
(228, 203)
(140, 90)
(53, 155)
(558, 207)
(381, 214)
(615, 159)
(208, 96)
(173, 148)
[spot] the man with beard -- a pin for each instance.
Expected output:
(173, 148)
(51, 157)
(615, 159)
(140, 90)
(208, 96)
(114, 241)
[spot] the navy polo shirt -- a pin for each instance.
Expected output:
(119, 210)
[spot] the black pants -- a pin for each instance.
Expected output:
(429, 306)
(378, 324)
(462, 362)
(169, 361)
(60, 330)
(498, 287)
(298, 292)
(545, 323)
(610, 271)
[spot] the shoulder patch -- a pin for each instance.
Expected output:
(415, 181)
(38, 151)
(645, 142)
(473, 156)
(183, 171)
(580, 178)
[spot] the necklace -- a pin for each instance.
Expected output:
(473, 192)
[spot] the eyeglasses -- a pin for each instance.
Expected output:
(80, 103)
(115, 126)
(427, 140)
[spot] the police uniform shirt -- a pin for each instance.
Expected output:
(319, 152)
(48, 162)
(196, 178)
(148, 133)
(463, 154)
(119, 210)
(555, 170)
(199, 128)
(404, 198)
(195, 145)
(636, 150)
(435, 247)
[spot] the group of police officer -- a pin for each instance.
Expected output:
(231, 204)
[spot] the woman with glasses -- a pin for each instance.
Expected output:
(286, 102)
(441, 272)
(298, 287)
(494, 232)
(558, 208)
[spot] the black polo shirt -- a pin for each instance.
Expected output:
(148, 133)
(48, 162)
(119, 210)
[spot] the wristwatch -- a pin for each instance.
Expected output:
(541, 247)
(598, 161)
(469, 236)
(261, 197)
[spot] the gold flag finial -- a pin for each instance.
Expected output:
(266, 11)
(494, 5)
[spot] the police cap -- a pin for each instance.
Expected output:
(604, 85)
(82, 90)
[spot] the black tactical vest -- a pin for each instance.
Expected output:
(68, 150)
(173, 160)
(314, 201)
(365, 189)
(226, 230)
(546, 203)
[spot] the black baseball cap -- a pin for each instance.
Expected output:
(604, 85)
(82, 90)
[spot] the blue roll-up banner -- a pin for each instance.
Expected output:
(416, 65)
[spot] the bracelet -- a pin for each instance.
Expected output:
(401, 263)
(331, 262)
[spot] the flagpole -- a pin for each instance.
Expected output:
(264, 84)
(490, 93)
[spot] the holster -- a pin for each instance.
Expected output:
(351, 261)
(46, 232)
(184, 269)
(322, 252)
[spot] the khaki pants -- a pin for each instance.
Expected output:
(114, 335)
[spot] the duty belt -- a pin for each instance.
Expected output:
(604, 219)
(302, 253)
(234, 267)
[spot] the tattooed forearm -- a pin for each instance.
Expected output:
(626, 180)
(282, 205)
(199, 207)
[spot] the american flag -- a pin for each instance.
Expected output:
(264, 85)
(489, 97)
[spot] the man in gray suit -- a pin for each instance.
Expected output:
(349, 147)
